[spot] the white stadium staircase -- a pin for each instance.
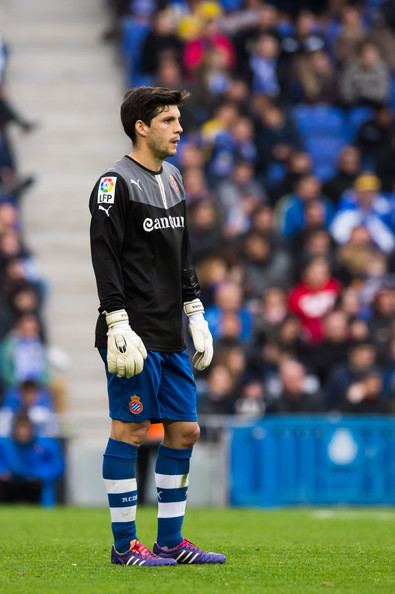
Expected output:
(64, 77)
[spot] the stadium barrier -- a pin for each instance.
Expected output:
(313, 460)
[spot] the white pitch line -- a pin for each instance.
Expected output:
(326, 514)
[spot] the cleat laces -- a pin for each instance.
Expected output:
(142, 550)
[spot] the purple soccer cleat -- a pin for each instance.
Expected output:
(139, 555)
(188, 553)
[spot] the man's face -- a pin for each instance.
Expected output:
(164, 132)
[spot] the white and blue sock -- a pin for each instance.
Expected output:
(171, 478)
(119, 473)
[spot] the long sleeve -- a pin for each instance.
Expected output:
(108, 206)
(190, 283)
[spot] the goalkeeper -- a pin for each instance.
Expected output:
(145, 280)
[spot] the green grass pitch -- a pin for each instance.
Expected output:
(66, 550)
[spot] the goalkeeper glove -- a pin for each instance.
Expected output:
(125, 350)
(201, 336)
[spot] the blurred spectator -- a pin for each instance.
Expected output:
(211, 81)
(314, 297)
(291, 210)
(229, 309)
(8, 115)
(264, 65)
(340, 390)
(196, 188)
(275, 136)
(169, 74)
(212, 272)
(381, 322)
(230, 146)
(314, 79)
(384, 162)
(289, 337)
(333, 347)
(204, 229)
(239, 217)
(265, 21)
(365, 395)
(161, 42)
(348, 169)
(296, 395)
(235, 359)
(310, 243)
(314, 214)
(350, 35)
(251, 402)
(374, 136)
(354, 255)
(264, 265)
(218, 396)
(298, 165)
(366, 208)
(366, 80)
(303, 39)
(389, 375)
(23, 353)
(271, 311)
(240, 183)
(36, 403)
(209, 37)
(29, 465)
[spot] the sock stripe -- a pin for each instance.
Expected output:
(169, 495)
(120, 486)
(171, 481)
(123, 514)
(173, 509)
(122, 499)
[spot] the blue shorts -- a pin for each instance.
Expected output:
(164, 390)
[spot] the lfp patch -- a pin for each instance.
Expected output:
(173, 184)
(106, 192)
(135, 405)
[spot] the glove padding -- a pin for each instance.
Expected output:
(201, 335)
(125, 349)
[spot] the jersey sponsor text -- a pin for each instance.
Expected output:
(163, 223)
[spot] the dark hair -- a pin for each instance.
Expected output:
(144, 103)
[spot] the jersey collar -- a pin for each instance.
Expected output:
(145, 168)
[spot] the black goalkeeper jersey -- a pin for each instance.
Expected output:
(140, 252)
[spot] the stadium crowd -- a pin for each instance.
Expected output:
(287, 157)
(30, 456)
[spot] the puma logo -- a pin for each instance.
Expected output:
(105, 209)
(136, 182)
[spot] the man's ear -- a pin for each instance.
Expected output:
(141, 128)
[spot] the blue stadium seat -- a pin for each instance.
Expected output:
(323, 131)
(324, 152)
(354, 118)
(318, 119)
(133, 33)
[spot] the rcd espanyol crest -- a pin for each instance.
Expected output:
(135, 405)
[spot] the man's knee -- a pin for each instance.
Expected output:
(192, 435)
(133, 433)
(181, 435)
